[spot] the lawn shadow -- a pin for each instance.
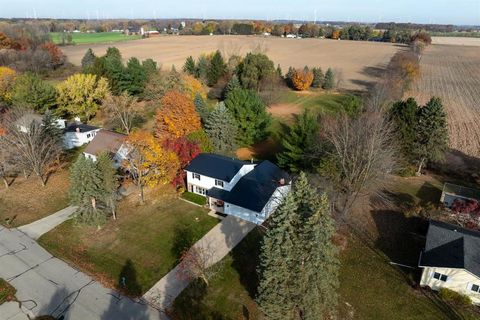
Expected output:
(59, 304)
(127, 280)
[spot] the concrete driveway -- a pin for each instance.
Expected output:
(35, 229)
(47, 285)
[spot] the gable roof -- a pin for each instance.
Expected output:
(72, 127)
(215, 166)
(450, 246)
(105, 141)
(254, 189)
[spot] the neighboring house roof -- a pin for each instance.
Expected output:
(105, 141)
(461, 191)
(215, 166)
(72, 127)
(254, 189)
(449, 246)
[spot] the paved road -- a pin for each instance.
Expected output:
(47, 285)
(218, 242)
(35, 229)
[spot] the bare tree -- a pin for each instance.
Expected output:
(123, 108)
(34, 149)
(198, 262)
(7, 165)
(363, 154)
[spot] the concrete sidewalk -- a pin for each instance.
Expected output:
(218, 242)
(36, 229)
(49, 286)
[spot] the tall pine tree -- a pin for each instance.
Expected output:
(189, 66)
(201, 107)
(137, 77)
(403, 115)
(299, 262)
(216, 69)
(88, 60)
(329, 82)
(108, 174)
(318, 78)
(221, 129)
(432, 133)
(298, 143)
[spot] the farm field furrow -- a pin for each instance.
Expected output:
(352, 60)
(453, 74)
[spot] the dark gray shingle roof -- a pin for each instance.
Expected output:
(254, 189)
(215, 166)
(72, 127)
(451, 246)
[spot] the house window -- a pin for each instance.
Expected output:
(195, 176)
(200, 190)
(88, 135)
(219, 183)
(440, 276)
(476, 288)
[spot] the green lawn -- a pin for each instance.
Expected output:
(142, 245)
(91, 38)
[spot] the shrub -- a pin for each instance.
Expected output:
(7, 292)
(195, 198)
(302, 79)
(454, 297)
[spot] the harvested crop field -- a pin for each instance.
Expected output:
(457, 41)
(354, 61)
(453, 74)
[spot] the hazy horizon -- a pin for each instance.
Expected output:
(461, 12)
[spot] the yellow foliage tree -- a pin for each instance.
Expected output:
(148, 163)
(177, 116)
(81, 95)
(7, 79)
(191, 86)
(302, 79)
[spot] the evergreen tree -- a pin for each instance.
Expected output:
(31, 91)
(250, 114)
(299, 263)
(150, 66)
(51, 128)
(86, 189)
(233, 84)
(88, 60)
(202, 68)
(201, 107)
(298, 144)
(189, 66)
(318, 78)
(289, 76)
(432, 133)
(221, 129)
(329, 82)
(137, 77)
(115, 71)
(403, 115)
(216, 69)
(109, 181)
(255, 68)
(113, 52)
(279, 70)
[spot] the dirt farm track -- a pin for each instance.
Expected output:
(452, 72)
(354, 61)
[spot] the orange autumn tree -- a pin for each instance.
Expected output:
(177, 116)
(302, 79)
(191, 86)
(148, 163)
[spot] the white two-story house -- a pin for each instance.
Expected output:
(451, 259)
(109, 142)
(246, 190)
(77, 134)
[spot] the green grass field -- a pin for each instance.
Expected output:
(142, 245)
(92, 38)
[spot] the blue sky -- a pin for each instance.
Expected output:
(422, 11)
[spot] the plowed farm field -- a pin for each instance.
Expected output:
(356, 63)
(453, 74)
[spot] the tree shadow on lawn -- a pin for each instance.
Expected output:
(127, 280)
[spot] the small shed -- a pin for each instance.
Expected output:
(452, 192)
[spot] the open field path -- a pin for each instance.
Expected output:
(48, 286)
(36, 229)
(217, 243)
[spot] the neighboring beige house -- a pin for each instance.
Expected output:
(451, 259)
(110, 142)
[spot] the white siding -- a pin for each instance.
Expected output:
(458, 280)
(77, 139)
(118, 158)
(208, 182)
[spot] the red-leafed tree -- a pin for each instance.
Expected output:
(56, 55)
(185, 150)
(471, 207)
(8, 43)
